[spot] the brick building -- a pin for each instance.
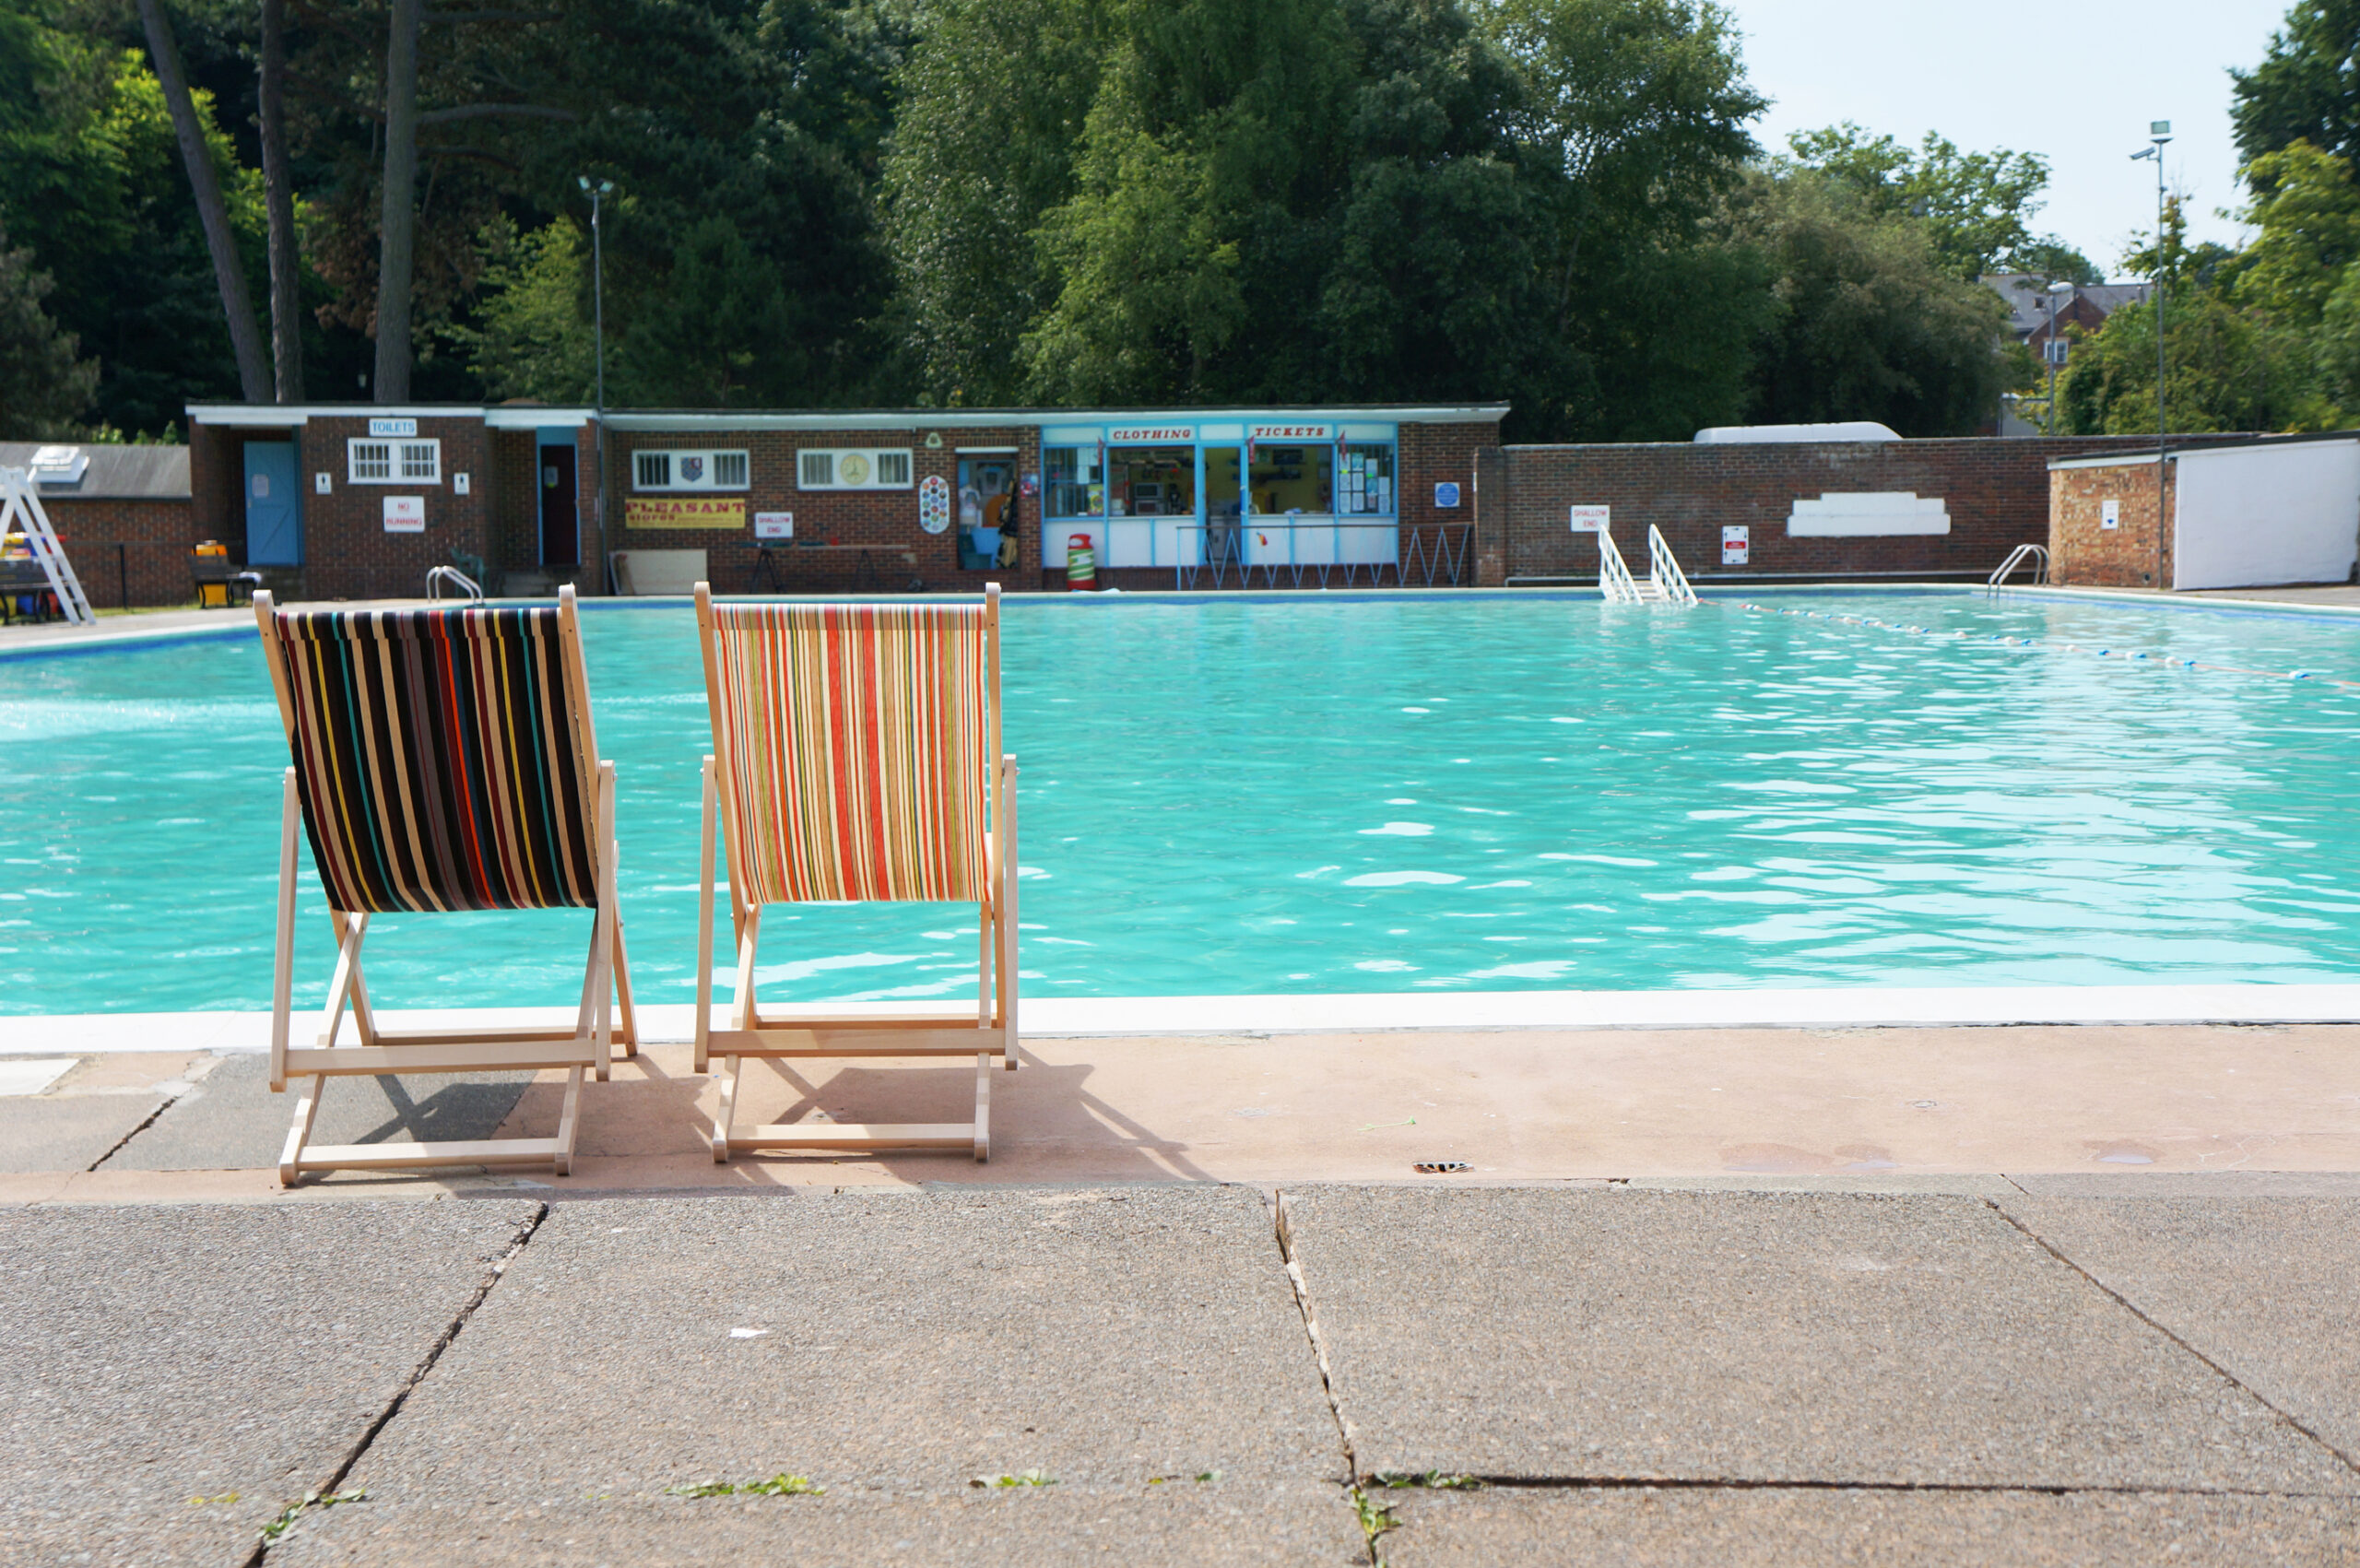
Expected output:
(123, 514)
(361, 501)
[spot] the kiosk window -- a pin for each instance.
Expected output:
(1293, 478)
(1366, 483)
(1075, 487)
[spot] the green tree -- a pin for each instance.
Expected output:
(1870, 325)
(45, 384)
(533, 332)
(2306, 87)
(1977, 206)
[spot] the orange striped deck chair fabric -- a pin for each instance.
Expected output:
(857, 749)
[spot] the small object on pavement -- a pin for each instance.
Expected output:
(1441, 1167)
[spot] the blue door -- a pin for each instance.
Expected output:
(274, 517)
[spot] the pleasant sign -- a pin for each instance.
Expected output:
(686, 511)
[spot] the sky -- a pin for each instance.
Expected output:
(2077, 84)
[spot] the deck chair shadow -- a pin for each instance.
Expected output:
(444, 763)
(855, 758)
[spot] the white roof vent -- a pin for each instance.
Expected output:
(59, 467)
(1846, 429)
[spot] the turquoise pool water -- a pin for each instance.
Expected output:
(1325, 795)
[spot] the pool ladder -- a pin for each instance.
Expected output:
(1665, 584)
(455, 579)
(2036, 554)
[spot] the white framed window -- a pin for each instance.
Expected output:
(393, 462)
(671, 469)
(853, 468)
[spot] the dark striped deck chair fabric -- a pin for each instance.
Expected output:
(434, 756)
(855, 742)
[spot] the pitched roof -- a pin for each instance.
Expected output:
(115, 472)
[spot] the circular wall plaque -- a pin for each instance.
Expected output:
(854, 469)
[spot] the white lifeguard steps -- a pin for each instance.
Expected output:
(1664, 585)
(21, 508)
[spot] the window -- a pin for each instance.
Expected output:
(673, 470)
(1366, 483)
(1076, 488)
(853, 468)
(393, 462)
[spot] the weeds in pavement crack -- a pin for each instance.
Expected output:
(294, 1511)
(777, 1486)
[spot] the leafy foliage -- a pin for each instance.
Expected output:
(44, 386)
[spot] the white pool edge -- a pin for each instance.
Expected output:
(1362, 1013)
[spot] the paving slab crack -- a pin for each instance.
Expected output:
(328, 1488)
(2136, 1311)
(1374, 1519)
(187, 1087)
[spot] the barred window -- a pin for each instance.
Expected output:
(370, 461)
(423, 460)
(393, 462)
(854, 469)
(671, 468)
(652, 470)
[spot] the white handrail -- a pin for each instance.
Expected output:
(2036, 554)
(1613, 577)
(1663, 570)
(452, 575)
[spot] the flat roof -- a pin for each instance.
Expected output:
(512, 415)
(116, 472)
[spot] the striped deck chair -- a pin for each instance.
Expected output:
(443, 761)
(856, 758)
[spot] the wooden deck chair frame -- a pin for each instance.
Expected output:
(587, 1044)
(983, 1030)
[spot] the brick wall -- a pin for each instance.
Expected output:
(1997, 493)
(117, 545)
(347, 554)
(851, 517)
(2084, 552)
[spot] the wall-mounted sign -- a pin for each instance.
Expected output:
(933, 441)
(405, 514)
(934, 503)
(774, 525)
(1445, 493)
(1029, 485)
(1737, 544)
(459, 484)
(322, 484)
(384, 428)
(1291, 432)
(1135, 435)
(1588, 519)
(2109, 514)
(684, 512)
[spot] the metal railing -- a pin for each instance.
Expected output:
(2036, 554)
(1613, 577)
(452, 576)
(1663, 570)
(1221, 551)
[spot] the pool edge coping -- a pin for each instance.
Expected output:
(1961, 1007)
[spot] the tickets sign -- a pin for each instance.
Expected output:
(1290, 432)
(685, 512)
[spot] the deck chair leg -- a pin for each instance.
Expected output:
(628, 1034)
(565, 1123)
(1005, 908)
(282, 981)
(704, 927)
(982, 1107)
(724, 1115)
(307, 1105)
(351, 930)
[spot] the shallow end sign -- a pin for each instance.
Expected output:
(405, 514)
(774, 525)
(1589, 519)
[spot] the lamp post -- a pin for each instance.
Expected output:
(2052, 352)
(2158, 133)
(596, 193)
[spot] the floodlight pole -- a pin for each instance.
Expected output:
(2048, 352)
(598, 330)
(2158, 133)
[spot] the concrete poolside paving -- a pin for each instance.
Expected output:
(1708, 1296)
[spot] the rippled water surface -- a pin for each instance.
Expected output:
(1315, 796)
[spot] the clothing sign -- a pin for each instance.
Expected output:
(774, 525)
(1737, 545)
(1149, 435)
(664, 512)
(384, 427)
(1445, 494)
(1589, 519)
(405, 514)
(2109, 514)
(934, 503)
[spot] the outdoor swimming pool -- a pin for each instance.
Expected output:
(1334, 793)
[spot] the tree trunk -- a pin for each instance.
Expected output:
(398, 232)
(237, 305)
(278, 198)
